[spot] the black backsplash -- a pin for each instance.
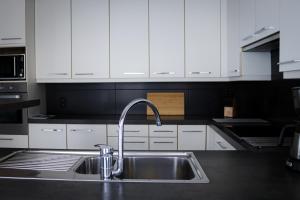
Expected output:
(253, 99)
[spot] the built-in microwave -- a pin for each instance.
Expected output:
(12, 66)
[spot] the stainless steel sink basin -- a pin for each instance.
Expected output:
(168, 167)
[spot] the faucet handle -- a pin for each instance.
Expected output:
(104, 149)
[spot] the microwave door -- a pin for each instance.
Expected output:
(7, 66)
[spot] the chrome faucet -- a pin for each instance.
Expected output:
(106, 151)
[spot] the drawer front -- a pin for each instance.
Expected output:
(163, 131)
(163, 143)
(13, 141)
(47, 136)
(85, 136)
(222, 144)
(129, 130)
(192, 137)
(130, 143)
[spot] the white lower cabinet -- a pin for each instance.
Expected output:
(13, 141)
(191, 137)
(163, 143)
(217, 142)
(85, 136)
(130, 143)
(48, 136)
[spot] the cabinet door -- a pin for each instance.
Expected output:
(289, 35)
(12, 22)
(247, 21)
(85, 136)
(266, 17)
(53, 38)
(163, 131)
(47, 136)
(90, 39)
(202, 35)
(230, 47)
(163, 143)
(166, 28)
(130, 143)
(13, 141)
(129, 42)
(192, 137)
(217, 142)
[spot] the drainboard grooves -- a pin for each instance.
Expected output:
(35, 161)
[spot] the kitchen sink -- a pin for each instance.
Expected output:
(165, 167)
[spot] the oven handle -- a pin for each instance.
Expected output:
(10, 96)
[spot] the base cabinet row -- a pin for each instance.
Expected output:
(136, 137)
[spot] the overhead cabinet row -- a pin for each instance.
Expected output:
(127, 38)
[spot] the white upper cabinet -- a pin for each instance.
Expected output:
(289, 36)
(129, 40)
(166, 28)
(247, 21)
(230, 51)
(258, 19)
(12, 22)
(267, 17)
(90, 39)
(202, 38)
(53, 38)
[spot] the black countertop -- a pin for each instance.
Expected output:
(114, 119)
(233, 175)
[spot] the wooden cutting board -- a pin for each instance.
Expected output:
(168, 103)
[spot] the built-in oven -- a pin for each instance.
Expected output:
(13, 121)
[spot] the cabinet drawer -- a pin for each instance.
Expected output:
(130, 143)
(192, 137)
(85, 136)
(163, 131)
(222, 144)
(47, 136)
(163, 143)
(129, 130)
(13, 141)
(216, 142)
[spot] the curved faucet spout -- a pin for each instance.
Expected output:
(119, 170)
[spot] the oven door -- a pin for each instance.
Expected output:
(13, 122)
(12, 67)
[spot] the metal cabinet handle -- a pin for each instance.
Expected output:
(12, 38)
(248, 37)
(221, 145)
(51, 130)
(10, 96)
(288, 62)
(163, 131)
(155, 142)
(83, 130)
(133, 73)
(59, 74)
(6, 139)
(197, 73)
(134, 142)
(193, 131)
(263, 29)
(235, 70)
(130, 131)
(163, 73)
(84, 74)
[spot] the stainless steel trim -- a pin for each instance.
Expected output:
(263, 29)
(221, 145)
(163, 73)
(83, 130)
(288, 62)
(16, 38)
(162, 142)
(51, 130)
(134, 142)
(8, 96)
(84, 74)
(6, 139)
(193, 131)
(15, 73)
(133, 73)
